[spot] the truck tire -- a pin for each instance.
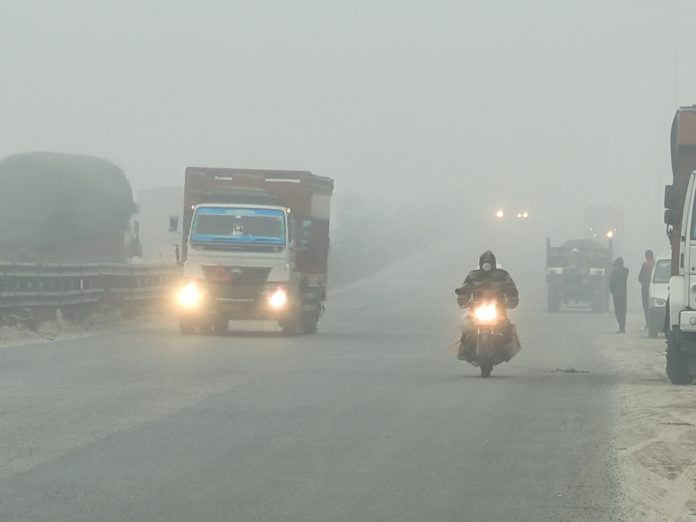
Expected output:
(604, 304)
(300, 324)
(554, 304)
(290, 327)
(310, 322)
(598, 305)
(677, 364)
(187, 326)
(292, 324)
(221, 325)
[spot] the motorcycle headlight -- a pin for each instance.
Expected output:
(189, 296)
(278, 299)
(485, 313)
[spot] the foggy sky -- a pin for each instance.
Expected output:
(543, 104)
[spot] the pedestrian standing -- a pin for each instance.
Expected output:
(644, 279)
(618, 283)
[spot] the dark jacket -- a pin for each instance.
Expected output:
(486, 283)
(618, 279)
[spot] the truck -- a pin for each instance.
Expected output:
(577, 274)
(255, 246)
(66, 208)
(680, 218)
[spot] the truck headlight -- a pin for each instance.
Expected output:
(190, 296)
(278, 299)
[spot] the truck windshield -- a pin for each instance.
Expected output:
(663, 269)
(254, 226)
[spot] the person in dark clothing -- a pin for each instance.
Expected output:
(488, 282)
(618, 283)
(644, 279)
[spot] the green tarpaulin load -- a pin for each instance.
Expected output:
(63, 208)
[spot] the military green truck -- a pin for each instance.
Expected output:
(577, 274)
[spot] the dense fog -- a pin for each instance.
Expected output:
(431, 115)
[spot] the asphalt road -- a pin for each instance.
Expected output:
(373, 419)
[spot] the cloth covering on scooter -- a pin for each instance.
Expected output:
(505, 346)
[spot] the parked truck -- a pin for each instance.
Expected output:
(65, 208)
(255, 245)
(576, 274)
(680, 217)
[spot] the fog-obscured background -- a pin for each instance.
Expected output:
(435, 112)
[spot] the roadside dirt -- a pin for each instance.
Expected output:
(655, 430)
(58, 329)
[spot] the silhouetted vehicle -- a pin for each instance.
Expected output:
(577, 274)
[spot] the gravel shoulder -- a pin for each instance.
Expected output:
(60, 329)
(655, 430)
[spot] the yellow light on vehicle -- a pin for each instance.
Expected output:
(278, 299)
(485, 313)
(500, 213)
(610, 234)
(525, 214)
(189, 296)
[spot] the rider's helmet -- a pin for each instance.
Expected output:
(487, 261)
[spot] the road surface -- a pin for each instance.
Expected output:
(372, 419)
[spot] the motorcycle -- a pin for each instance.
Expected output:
(488, 338)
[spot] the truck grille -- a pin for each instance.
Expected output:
(239, 275)
(236, 282)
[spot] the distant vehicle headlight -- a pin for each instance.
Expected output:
(278, 299)
(189, 296)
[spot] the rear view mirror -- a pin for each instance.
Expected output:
(173, 223)
(670, 217)
(669, 197)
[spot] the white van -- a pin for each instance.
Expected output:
(659, 291)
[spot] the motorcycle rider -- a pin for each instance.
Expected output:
(489, 282)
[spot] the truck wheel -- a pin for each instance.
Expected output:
(554, 304)
(290, 327)
(187, 326)
(599, 305)
(677, 364)
(292, 324)
(221, 325)
(310, 321)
